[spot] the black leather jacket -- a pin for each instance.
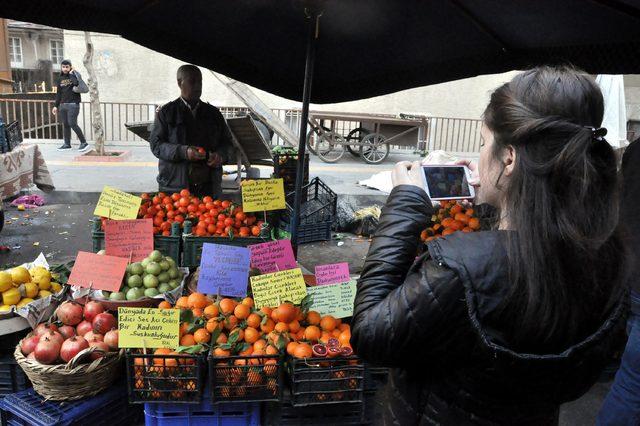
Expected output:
(424, 317)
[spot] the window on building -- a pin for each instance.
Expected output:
(15, 52)
(57, 53)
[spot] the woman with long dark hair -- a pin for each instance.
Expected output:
(502, 326)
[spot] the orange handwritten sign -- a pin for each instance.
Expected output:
(129, 237)
(100, 272)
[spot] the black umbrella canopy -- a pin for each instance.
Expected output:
(365, 47)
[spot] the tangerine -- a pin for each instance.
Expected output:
(242, 311)
(294, 326)
(230, 322)
(202, 336)
(222, 338)
(268, 326)
(211, 311)
(448, 231)
(474, 223)
(227, 306)
(213, 324)
(248, 301)
(287, 312)
(312, 333)
(303, 350)
(165, 305)
(187, 340)
(291, 347)
(254, 320)
(182, 302)
(219, 352)
(328, 323)
(281, 327)
(313, 318)
(272, 350)
(251, 335)
(259, 345)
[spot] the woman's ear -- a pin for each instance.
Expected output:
(509, 160)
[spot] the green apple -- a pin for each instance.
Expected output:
(164, 287)
(155, 256)
(174, 273)
(134, 281)
(150, 281)
(117, 295)
(151, 292)
(134, 293)
(164, 277)
(153, 268)
(136, 268)
(164, 265)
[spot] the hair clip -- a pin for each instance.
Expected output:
(597, 134)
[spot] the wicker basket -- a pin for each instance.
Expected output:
(71, 381)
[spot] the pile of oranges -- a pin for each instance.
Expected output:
(451, 217)
(219, 218)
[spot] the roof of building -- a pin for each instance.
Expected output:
(29, 26)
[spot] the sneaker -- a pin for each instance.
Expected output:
(64, 147)
(83, 147)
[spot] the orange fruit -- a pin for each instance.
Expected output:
(165, 305)
(227, 306)
(222, 338)
(230, 322)
(272, 350)
(303, 350)
(300, 334)
(286, 312)
(448, 231)
(313, 318)
(345, 338)
(248, 301)
(242, 311)
(251, 335)
(268, 326)
(212, 324)
(162, 351)
(281, 327)
(211, 311)
(312, 333)
(198, 300)
(457, 208)
(197, 312)
(344, 327)
(294, 326)
(239, 332)
(456, 225)
(182, 302)
(467, 229)
(291, 347)
(336, 332)
(474, 223)
(328, 323)
(221, 352)
(266, 310)
(274, 315)
(254, 320)
(461, 217)
(259, 345)
(183, 328)
(324, 338)
(202, 336)
(187, 340)
(469, 212)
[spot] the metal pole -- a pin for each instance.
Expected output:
(314, 21)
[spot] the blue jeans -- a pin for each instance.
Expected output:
(621, 407)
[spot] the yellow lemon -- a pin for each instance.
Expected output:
(20, 275)
(5, 281)
(44, 293)
(5, 308)
(30, 290)
(41, 277)
(55, 287)
(24, 302)
(11, 296)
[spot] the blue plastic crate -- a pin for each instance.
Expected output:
(109, 407)
(12, 378)
(203, 414)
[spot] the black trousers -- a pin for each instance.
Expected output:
(69, 118)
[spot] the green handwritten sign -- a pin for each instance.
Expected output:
(333, 299)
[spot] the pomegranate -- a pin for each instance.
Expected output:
(319, 350)
(91, 309)
(94, 337)
(72, 347)
(28, 344)
(104, 322)
(84, 327)
(111, 339)
(47, 351)
(43, 328)
(67, 331)
(103, 348)
(70, 313)
(54, 336)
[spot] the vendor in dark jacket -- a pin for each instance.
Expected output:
(503, 326)
(191, 140)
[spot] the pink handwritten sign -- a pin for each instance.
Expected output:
(273, 256)
(332, 274)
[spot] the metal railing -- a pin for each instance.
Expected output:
(449, 134)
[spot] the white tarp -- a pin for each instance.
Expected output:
(615, 111)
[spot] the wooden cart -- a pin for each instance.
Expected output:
(370, 136)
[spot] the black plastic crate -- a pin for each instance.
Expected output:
(165, 378)
(285, 166)
(13, 132)
(167, 245)
(310, 232)
(12, 378)
(108, 408)
(9, 341)
(319, 203)
(339, 414)
(246, 378)
(326, 380)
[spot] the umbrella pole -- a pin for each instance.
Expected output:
(314, 20)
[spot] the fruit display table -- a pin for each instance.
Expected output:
(21, 168)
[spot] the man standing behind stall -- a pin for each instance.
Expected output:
(191, 140)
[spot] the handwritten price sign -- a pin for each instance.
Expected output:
(129, 237)
(148, 328)
(116, 204)
(272, 289)
(100, 272)
(262, 195)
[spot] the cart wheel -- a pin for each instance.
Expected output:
(330, 147)
(356, 135)
(312, 139)
(374, 149)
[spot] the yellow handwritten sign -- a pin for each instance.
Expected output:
(333, 299)
(116, 204)
(262, 195)
(273, 289)
(148, 328)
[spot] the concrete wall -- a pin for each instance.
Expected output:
(128, 72)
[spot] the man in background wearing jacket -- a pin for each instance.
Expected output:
(68, 105)
(191, 140)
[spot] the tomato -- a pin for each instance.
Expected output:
(157, 221)
(214, 212)
(171, 214)
(182, 209)
(228, 222)
(185, 193)
(241, 216)
(175, 196)
(156, 200)
(165, 226)
(217, 203)
(167, 200)
(207, 199)
(201, 150)
(202, 208)
(191, 208)
(152, 210)
(145, 196)
(179, 218)
(226, 204)
(166, 233)
(222, 216)
(195, 200)
(211, 229)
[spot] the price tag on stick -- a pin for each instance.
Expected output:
(100, 272)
